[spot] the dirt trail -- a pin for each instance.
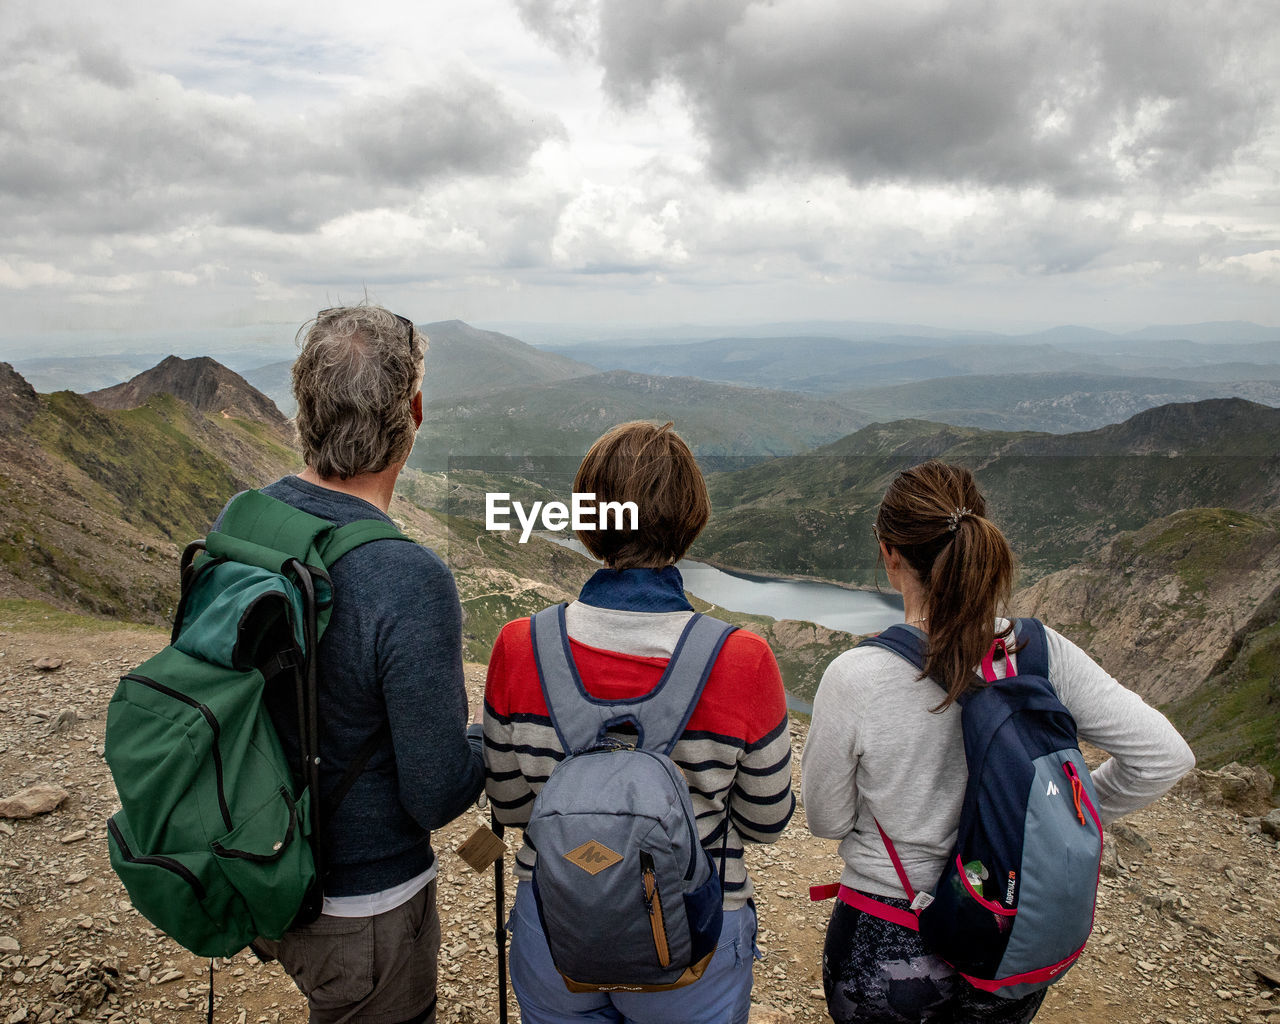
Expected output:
(1190, 908)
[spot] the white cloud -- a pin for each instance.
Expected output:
(1256, 267)
(137, 150)
(23, 274)
(701, 158)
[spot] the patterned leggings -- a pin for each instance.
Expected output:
(877, 972)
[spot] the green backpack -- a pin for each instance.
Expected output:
(214, 839)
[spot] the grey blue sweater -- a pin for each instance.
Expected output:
(390, 661)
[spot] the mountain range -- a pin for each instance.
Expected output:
(1060, 380)
(1153, 541)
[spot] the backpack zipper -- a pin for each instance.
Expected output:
(1078, 792)
(695, 843)
(653, 903)
(168, 863)
(213, 725)
(279, 847)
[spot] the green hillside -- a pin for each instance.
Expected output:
(1057, 497)
(97, 503)
(1235, 714)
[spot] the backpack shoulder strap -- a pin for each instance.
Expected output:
(267, 532)
(264, 531)
(659, 716)
(905, 642)
(353, 535)
(1033, 648)
(910, 644)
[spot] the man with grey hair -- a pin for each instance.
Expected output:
(390, 678)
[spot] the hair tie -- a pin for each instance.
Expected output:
(955, 517)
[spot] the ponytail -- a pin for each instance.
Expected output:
(935, 516)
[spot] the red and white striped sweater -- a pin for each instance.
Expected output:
(735, 752)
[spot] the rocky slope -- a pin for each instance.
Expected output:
(18, 400)
(95, 502)
(1186, 931)
(1161, 606)
(1185, 611)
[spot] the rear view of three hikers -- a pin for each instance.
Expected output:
(283, 763)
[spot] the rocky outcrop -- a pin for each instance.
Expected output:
(203, 383)
(1246, 789)
(18, 399)
(1161, 608)
(40, 798)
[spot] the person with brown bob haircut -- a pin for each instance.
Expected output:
(735, 751)
(885, 745)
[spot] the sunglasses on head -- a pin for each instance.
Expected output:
(404, 321)
(408, 326)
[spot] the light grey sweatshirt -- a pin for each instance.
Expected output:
(875, 752)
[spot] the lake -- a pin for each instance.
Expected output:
(854, 611)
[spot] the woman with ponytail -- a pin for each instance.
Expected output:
(885, 748)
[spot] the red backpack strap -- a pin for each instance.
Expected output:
(897, 864)
(860, 901)
(989, 661)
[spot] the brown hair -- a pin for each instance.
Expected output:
(935, 516)
(359, 369)
(653, 467)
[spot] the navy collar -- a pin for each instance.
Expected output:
(637, 590)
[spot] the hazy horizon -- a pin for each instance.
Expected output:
(276, 341)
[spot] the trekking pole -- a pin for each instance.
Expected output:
(500, 932)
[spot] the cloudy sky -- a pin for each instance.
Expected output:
(993, 163)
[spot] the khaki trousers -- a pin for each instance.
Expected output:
(366, 970)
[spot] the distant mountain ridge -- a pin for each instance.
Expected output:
(1058, 497)
(1216, 427)
(971, 379)
(563, 418)
(1059, 402)
(203, 383)
(462, 362)
(557, 336)
(1062, 379)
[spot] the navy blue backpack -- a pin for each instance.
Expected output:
(1014, 906)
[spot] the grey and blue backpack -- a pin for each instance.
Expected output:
(628, 898)
(1014, 906)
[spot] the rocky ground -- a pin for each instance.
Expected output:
(1188, 927)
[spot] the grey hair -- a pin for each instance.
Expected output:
(354, 381)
